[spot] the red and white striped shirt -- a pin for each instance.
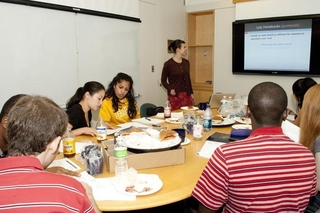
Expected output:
(25, 187)
(267, 172)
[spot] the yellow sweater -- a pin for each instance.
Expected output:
(119, 117)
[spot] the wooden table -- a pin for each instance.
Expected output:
(178, 180)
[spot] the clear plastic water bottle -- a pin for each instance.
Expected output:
(223, 100)
(197, 128)
(207, 119)
(231, 107)
(101, 130)
(230, 101)
(167, 110)
(223, 106)
(121, 160)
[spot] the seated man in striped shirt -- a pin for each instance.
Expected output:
(267, 172)
(35, 125)
(4, 139)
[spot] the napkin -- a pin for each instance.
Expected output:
(103, 188)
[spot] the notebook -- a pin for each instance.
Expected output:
(212, 143)
(216, 98)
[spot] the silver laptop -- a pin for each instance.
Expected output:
(216, 98)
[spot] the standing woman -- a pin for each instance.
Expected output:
(87, 98)
(175, 76)
(119, 105)
(299, 89)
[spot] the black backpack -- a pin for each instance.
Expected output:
(151, 111)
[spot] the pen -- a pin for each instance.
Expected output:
(147, 118)
(71, 164)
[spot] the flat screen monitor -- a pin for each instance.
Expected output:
(277, 46)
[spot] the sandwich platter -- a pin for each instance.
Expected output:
(149, 139)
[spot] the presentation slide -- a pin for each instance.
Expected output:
(278, 46)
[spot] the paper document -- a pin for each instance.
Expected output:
(208, 148)
(125, 126)
(133, 124)
(291, 130)
(103, 188)
(65, 163)
(112, 131)
(148, 121)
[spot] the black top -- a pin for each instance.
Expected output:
(177, 76)
(77, 118)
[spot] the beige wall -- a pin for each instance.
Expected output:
(170, 23)
(225, 14)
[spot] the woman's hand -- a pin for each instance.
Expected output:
(172, 92)
(85, 131)
(109, 126)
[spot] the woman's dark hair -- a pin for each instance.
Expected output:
(175, 44)
(132, 111)
(300, 87)
(92, 87)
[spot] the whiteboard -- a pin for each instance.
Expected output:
(52, 53)
(106, 48)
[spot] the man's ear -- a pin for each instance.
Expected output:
(53, 147)
(285, 114)
(248, 112)
(4, 122)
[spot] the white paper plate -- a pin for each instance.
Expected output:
(186, 141)
(150, 181)
(225, 122)
(174, 120)
(242, 120)
(241, 126)
(148, 141)
(187, 108)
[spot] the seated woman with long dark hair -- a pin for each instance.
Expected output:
(119, 105)
(87, 98)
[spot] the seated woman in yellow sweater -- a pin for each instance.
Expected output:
(119, 105)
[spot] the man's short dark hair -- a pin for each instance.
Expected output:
(9, 104)
(33, 123)
(267, 102)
